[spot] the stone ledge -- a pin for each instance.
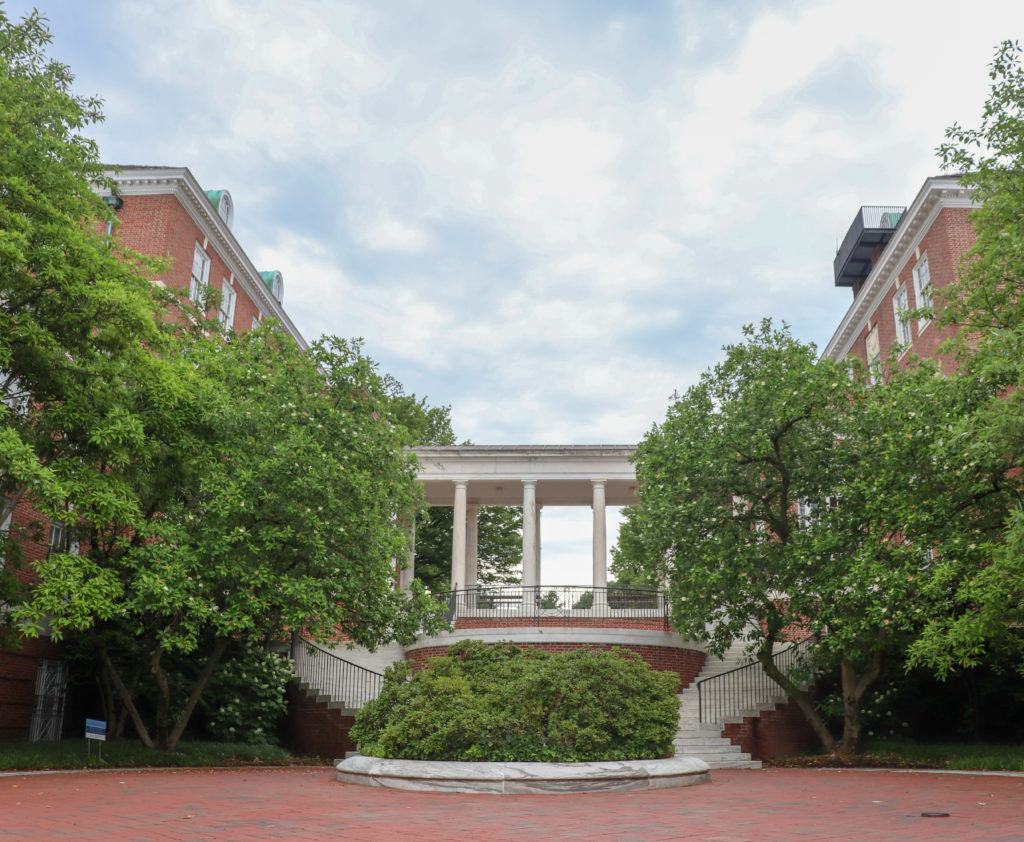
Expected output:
(513, 778)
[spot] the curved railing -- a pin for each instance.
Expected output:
(345, 682)
(571, 603)
(744, 688)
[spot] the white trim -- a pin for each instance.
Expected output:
(180, 183)
(922, 293)
(937, 194)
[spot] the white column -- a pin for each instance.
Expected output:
(405, 576)
(536, 552)
(530, 581)
(600, 544)
(472, 523)
(459, 537)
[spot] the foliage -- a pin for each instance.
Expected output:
(895, 753)
(987, 444)
(83, 381)
(781, 496)
(504, 703)
(245, 699)
(119, 754)
(499, 546)
(275, 506)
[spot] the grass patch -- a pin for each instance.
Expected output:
(74, 754)
(906, 754)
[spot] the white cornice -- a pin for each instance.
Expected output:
(180, 183)
(937, 193)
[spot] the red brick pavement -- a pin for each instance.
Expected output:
(307, 803)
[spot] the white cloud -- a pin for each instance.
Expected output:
(549, 223)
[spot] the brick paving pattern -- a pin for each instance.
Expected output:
(307, 803)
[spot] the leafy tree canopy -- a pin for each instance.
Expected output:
(782, 498)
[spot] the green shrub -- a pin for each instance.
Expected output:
(506, 703)
(245, 699)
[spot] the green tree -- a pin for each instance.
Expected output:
(285, 516)
(499, 546)
(987, 444)
(782, 495)
(79, 321)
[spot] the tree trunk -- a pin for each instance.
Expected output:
(854, 687)
(197, 690)
(802, 699)
(126, 698)
(163, 698)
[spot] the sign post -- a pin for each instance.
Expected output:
(96, 729)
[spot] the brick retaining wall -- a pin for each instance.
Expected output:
(311, 727)
(778, 732)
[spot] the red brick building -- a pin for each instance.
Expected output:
(162, 211)
(894, 258)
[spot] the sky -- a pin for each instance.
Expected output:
(549, 215)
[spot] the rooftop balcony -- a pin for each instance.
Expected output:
(871, 229)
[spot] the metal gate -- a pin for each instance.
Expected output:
(48, 707)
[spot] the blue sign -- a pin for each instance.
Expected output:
(95, 729)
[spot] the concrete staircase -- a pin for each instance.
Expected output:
(350, 692)
(705, 740)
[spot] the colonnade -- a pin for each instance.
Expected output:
(465, 525)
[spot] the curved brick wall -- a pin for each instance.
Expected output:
(686, 663)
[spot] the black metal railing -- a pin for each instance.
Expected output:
(871, 227)
(333, 676)
(572, 603)
(746, 687)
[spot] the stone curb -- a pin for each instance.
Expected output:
(513, 778)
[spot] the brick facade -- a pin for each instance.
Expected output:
(685, 663)
(17, 685)
(165, 214)
(313, 728)
(779, 732)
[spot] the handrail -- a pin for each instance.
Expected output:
(744, 687)
(573, 604)
(332, 675)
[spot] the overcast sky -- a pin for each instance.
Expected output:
(548, 215)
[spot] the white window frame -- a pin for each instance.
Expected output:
(873, 351)
(200, 276)
(228, 297)
(59, 535)
(922, 289)
(5, 530)
(900, 306)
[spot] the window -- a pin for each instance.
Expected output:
(62, 539)
(922, 288)
(5, 531)
(874, 353)
(255, 322)
(804, 513)
(227, 304)
(13, 394)
(200, 276)
(899, 312)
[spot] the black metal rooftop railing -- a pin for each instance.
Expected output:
(574, 604)
(873, 226)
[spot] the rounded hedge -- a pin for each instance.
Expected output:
(501, 702)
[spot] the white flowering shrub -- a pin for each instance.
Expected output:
(245, 699)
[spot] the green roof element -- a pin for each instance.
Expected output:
(215, 196)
